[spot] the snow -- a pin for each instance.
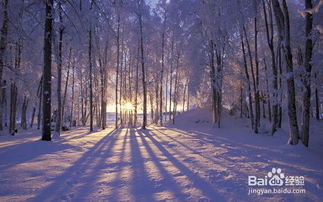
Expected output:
(189, 161)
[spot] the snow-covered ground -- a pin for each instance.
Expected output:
(189, 161)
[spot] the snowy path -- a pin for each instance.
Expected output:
(152, 165)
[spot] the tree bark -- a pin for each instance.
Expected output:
(248, 80)
(144, 122)
(282, 19)
(117, 70)
(46, 133)
(317, 100)
(255, 89)
(59, 73)
(3, 46)
(90, 79)
(270, 41)
(24, 113)
(308, 69)
(268, 92)
(66, 84)
(13, 108)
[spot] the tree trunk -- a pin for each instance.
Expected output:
(117, 70)
(308, 69)
(73, 92)
(248, 80)
(317, 100)
(90, 79)
(144, 123)
(241, 99)
(268, 92)
(24, 113)
(3, 46)
(162, 72)
(282, 19)
(13, 108)
(137, 87)
(65, 88)
(175, 96)
(40, 96)
(270, 40)
(46, 134)
(32, 117)
(257, 96)
(59, 73)
(256, 120)
(213, 81)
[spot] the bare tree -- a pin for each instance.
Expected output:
(59, 72)
(283, 26)
(3, 45)
(46, 134)
(144, 122)
(307, 76)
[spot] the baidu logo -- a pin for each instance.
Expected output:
(276, 177)
(276, 182)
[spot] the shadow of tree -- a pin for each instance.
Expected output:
(204, 186)
(83, 170)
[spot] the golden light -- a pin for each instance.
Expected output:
(127, 106)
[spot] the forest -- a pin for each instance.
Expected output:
(160, 100)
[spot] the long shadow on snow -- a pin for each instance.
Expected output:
(204, 186)
(142, 187)
(24, 152)
(250, 165)
(167, 183)
(62, 187)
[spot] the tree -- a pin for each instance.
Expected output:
(59, 72)
(46, 133)
(144, 121)
(307, 75)
(283, 26)
(3, 45)
(270, 42)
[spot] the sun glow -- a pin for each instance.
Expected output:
(127, 106)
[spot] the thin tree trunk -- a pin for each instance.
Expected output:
(3, 46)
(175, 97)
(66, 84)
(24, 113)
(270, 41)
(241, 99)
(257, 96)
(171, 81)
(40, 96)
(144, 123)
(32, 117)
(73, 92)
(248, 81)
(137, 87)
(317, 100)
(59, 73)
(256, 120)
(90, 79)
(268, 92)
(162, 72)
(3, 102)
(117, 70)
(308, 69)
(13, 107)
(213, 81)
(280, 96)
